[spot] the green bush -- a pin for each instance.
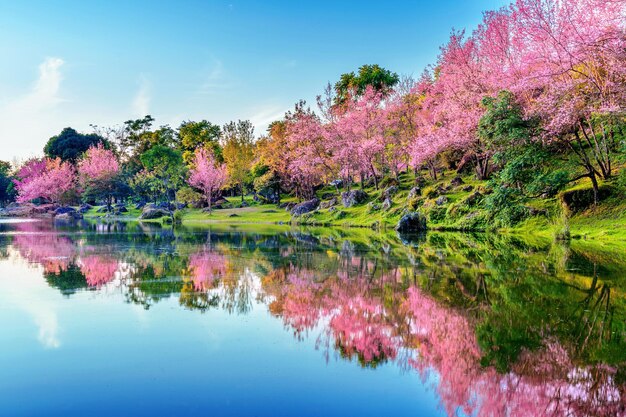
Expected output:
(187, 195)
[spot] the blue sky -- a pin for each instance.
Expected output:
(72, 63)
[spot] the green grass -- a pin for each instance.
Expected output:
(603, 226)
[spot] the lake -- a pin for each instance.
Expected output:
(129, 319)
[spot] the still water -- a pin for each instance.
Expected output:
(132, 320)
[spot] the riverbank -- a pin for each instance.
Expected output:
(452, 202)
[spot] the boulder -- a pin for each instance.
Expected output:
(456, 181)
(372, 206)
(336, 183)
(18, 210)
(390, 192)
(153, 213)
(328, 204)
(411, 222)
(305, 207)
(353, 198)
(64, 210)
(45, 208)
(84, 208)
(387, 204)
(473, 198)
(287, 206)
(414, 193)
(69, 216)
(269, 195)
(441, 200)
(468, 188)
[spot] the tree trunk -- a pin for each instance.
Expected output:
(596, 190)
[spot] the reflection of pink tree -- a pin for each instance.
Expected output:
(205, 268)
(98, 270)
(544, 383)
(53, 252)
(360, 326)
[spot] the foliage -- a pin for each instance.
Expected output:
(69, 145)
(238, 152)
(194, 135)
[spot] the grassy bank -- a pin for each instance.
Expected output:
(449, 203)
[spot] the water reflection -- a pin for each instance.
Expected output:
(499, 326)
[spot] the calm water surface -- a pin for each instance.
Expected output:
(133, 320)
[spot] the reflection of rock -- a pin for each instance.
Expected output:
(411, 222)
(305, 207)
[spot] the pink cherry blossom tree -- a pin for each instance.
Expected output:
(47, 182)
(207, 174)
(98, 172)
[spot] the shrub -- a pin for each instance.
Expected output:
(187, 195)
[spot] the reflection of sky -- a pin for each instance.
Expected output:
(32, 297)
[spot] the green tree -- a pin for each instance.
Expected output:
(166, 164)
(351, 84)
(527, 168)
(194, 135)
(69, 145)
(7, 190)
(238, 152)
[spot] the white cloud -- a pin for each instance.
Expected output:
(215, 80)
(264, 116)
(141, 101)
(28, 120)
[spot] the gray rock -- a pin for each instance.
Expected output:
(64, 210)
(390, 192)
(387, 204)
(336, 183)
(440, 201)
(305, 207)
(456, 181)
(328, 204)
(84, 208)
(414, 193)
(353, 197)
(411, 222)
(473, 198)
(69, 216)
(149, 213)
(372, 206)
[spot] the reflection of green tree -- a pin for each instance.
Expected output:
(68, 281)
